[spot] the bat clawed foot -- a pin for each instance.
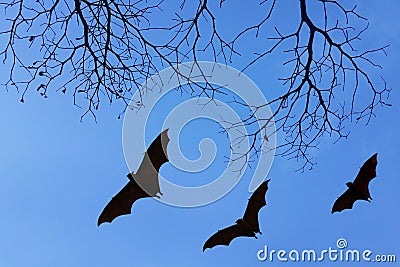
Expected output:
(157, 195)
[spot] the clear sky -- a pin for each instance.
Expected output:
(58, 173)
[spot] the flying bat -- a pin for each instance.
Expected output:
(246, 226)
(142, 184)
(359, 188)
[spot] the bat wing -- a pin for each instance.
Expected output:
(346, 200)
(155, 156)
(142, 184)
(366, 174)
(256, 202)
(121, 203)
(157, 151)
(225, 236)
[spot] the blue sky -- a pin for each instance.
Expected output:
(57, 174)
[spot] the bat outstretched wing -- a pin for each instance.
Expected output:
(366, 174)
(155, 156)
(142, 184)
(225, 236)
(358, 190)
(256, 202)
(157, 151)
(346, 200)
(121, 203)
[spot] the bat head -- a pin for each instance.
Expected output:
(239, 221)
(349, 184)
(130, 176)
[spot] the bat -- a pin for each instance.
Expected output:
(142, 184)
(246, 226)
(359, 188)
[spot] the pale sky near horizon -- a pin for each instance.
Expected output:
(57, 174)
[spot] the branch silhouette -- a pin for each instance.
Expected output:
(104, 50)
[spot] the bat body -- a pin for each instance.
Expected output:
(246, 226)
(142, 184)
(358, 190)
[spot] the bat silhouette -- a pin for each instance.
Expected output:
(246, 226)
(359, 188)
(142, 184)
